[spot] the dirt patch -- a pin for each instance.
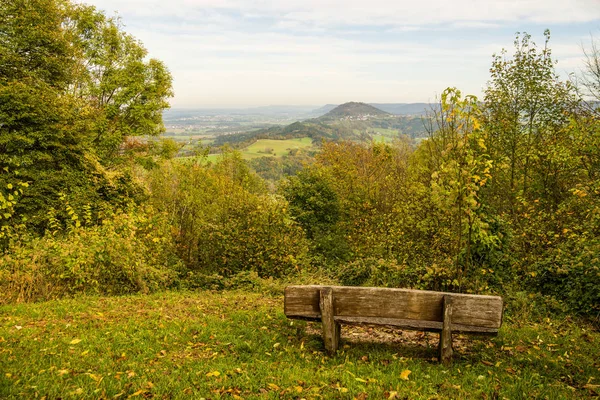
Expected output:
(393, 336)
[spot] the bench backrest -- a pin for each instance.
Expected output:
(417, 309)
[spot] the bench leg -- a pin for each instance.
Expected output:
(446, 334)
(331, 329)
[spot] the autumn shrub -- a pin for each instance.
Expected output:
(569, 267)
(225, 221)
(127, 253)
(315, 205)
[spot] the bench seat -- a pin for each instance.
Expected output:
(406, 308)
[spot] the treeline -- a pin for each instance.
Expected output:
(503, 196)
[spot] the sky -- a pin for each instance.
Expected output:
(238, 53)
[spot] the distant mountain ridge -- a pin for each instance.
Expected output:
(404, 109)
(300, 112)
(391, 108)
(353, 110)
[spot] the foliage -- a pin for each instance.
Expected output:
(461, 168)
(72, 87)
(127, 253)
(225, 221)
(315, 206)
(526, 109)
(274, 169)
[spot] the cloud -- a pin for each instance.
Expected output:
(225, 53)
(333, 13)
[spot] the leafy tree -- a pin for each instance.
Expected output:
(127, 91)
(526, 109)
(461, 167)
(72, 86)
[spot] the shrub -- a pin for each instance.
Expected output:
(224, 220)
(128, 253)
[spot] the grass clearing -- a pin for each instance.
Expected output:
(274, 147)
(261, 148)
(237, 344)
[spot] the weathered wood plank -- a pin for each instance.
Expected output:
(484, 313)
(331, 328)
(446, 334)
(426, 326)
(410, 324)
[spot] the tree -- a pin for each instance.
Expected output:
(126, 91)
(461, 167)
(588, 81)
(526, 109)
(72, 87)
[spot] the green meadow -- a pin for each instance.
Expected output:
(239, 344)
(274, 148)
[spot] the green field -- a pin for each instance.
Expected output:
(274, 148)
(262, 148)
(385, 135)
(239, 344)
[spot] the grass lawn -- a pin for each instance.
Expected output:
(238, 344)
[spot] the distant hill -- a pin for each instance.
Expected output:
(353, 110)
(404, 109)
(392, 108)
(324, 110)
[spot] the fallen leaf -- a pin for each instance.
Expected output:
(589, 386)
(404, 374)
(136, 393)
(75, 341)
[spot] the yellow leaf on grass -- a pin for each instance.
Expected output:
(393, 395)
(95, 377)
(75, 341)
(404, 374)
(213, 373)
(273, 386)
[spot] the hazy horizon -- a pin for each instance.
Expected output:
(244, 54)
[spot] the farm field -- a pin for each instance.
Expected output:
(274, 148)
(262, 148)
(238, 344)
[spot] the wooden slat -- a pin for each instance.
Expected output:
(410, 324)
(446, 333)
(481, 312)
(331, 328)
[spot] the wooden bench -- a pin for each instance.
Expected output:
(409, 309)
